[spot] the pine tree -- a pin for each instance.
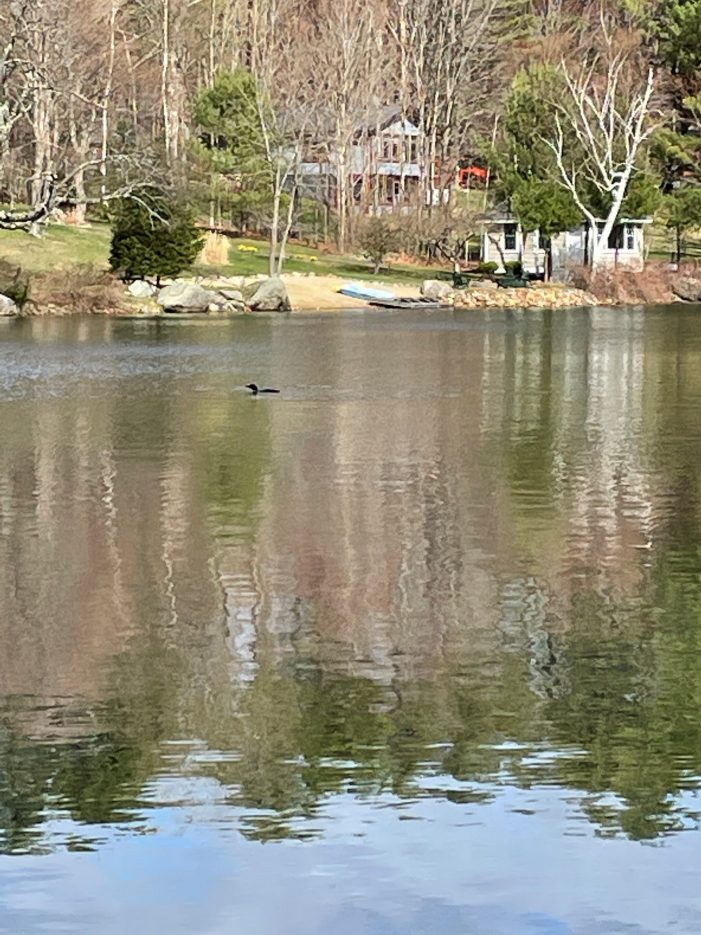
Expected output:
(153, 237)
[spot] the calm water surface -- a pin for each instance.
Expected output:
(414, 647)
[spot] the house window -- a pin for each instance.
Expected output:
(616, 238)
(413, 151)
(622, 237)
(391, 150)
(509, 236)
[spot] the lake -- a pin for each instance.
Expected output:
(413, 647)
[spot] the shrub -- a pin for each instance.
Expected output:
(81, 290)
(15, 283)
(488, 269)
(514, 268)
(378, 238)
(153, 237)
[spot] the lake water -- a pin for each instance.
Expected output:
(414, 647)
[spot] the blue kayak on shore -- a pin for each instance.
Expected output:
(357, 291)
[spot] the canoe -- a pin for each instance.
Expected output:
(366, 293)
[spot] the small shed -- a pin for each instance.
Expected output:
(504, 241)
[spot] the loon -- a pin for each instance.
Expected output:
(255, 390)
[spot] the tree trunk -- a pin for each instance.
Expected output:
(342, 198)
(275, 224)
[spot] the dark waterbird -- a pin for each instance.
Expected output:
(256, 390)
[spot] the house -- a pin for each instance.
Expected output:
(503, 241)
(385, 161)
(384, 166)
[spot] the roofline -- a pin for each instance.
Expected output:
(514, 220)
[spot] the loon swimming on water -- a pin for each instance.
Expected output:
(255, 390)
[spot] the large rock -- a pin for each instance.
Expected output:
(141, 289)
(435, 289)
(8, 307)
(687, 289)
(188, 297)
(268, 295)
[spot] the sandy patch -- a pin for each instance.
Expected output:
(320, 293)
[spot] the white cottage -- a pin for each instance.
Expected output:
(503, 241)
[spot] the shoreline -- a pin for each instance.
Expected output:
(320, 295)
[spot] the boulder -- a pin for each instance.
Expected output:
(687, 289)
(267, 295)
(141, 289)
(435, 289)
(8, 307)
(187, 297)
(483, 284)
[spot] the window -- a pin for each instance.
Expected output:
(509, 236)
(391, 150)
(622, 237)
(413, 151)
(616, 238)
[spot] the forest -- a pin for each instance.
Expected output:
(576, 110)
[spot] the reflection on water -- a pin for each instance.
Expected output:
(451, 574)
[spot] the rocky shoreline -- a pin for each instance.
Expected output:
(236, 295)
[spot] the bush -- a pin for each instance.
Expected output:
(488, 269)
(378, 238)
(15, 283)
(514, 268)
(82, 290)
(153, 237)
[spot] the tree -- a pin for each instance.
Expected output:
(599, 132)
(153, 236)
(230, 145)
(378, 238)
(448, 63)
(683, 214)
(527, 173)
(544, 206)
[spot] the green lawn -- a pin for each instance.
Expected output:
(661, 242)
(63, 247)
(302, 259)
(59, 248)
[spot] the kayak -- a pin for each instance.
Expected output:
(357, 291)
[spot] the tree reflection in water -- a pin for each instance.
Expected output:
(480, 573)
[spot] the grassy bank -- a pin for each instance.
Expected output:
(68, 247)
(302, 259)
(60, 248)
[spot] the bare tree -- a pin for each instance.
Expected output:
(349, 52)
(599, 133)
(449, 66)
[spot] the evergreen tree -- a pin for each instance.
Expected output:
(230, 147)
(683, 214)
(153, 237)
